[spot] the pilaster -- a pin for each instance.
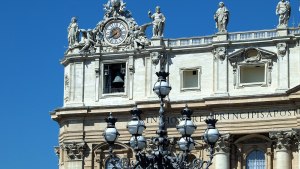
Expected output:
(220, 71)
(283, 66)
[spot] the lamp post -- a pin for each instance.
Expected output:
(161, 156)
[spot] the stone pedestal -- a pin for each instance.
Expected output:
(282, 32)
(220, 37)
(157, 42)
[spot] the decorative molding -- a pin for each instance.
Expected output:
(67, 88)
(283, 139)
(75, 151)
(219, 53)
(281, 49)
(223, 144)
(250, 57)
(57, 150)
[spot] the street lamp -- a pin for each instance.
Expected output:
(161, 156)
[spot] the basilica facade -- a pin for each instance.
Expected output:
(250, 81)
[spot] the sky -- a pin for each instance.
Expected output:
(34, 39)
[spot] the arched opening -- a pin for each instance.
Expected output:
(256, 160)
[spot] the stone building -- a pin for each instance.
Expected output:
(249, 80)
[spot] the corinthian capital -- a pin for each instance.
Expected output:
(223, 144)
(283, 139)
(75, 150)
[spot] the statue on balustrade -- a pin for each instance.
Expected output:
(73, 33)
(222, 18)
(158, 22)
(283, 10)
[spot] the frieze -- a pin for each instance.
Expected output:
(229, 116)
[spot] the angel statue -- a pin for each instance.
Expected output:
(139, 36)
(114, 7)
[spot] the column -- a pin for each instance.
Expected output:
(222, 155)
(296, 133)
(75, 153)
(283, 148)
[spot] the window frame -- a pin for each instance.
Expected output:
(198, 69)
(121, 61)
(262, 83)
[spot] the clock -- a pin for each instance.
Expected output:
(115, 32)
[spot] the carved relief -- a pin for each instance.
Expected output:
(117, 32)
(75, 151)
(67, 88)
(159, 58)
(282, 139)
(220, 53)
(281, 49)
(223, 144)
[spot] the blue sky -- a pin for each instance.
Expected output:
(34, 38)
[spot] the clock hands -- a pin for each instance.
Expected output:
(113, 35)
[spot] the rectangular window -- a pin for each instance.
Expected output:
(252, 74)
(190, 78)
(114, 78)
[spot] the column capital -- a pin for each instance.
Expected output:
(75, 151)
(223, 144)
(282, 138)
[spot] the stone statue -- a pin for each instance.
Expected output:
(87, 40)
(114, 7)
(222, 18)
(283, 10)
(139, 36)
(73, 33)
(158, 22)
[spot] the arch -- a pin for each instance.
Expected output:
(247, 137)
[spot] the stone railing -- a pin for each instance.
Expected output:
(189, 41)
(252, 35)
(235, 36)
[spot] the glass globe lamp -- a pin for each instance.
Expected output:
(186, 127)
(137, 142)
(186, 144)
(136, 127)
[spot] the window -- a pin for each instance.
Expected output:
(256, 160)
(114, 78)
(250, 74)
(190, 78)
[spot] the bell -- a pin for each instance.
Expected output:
(118, 79)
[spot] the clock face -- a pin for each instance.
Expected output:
(115, 32)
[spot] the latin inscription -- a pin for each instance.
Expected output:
(258, 115)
